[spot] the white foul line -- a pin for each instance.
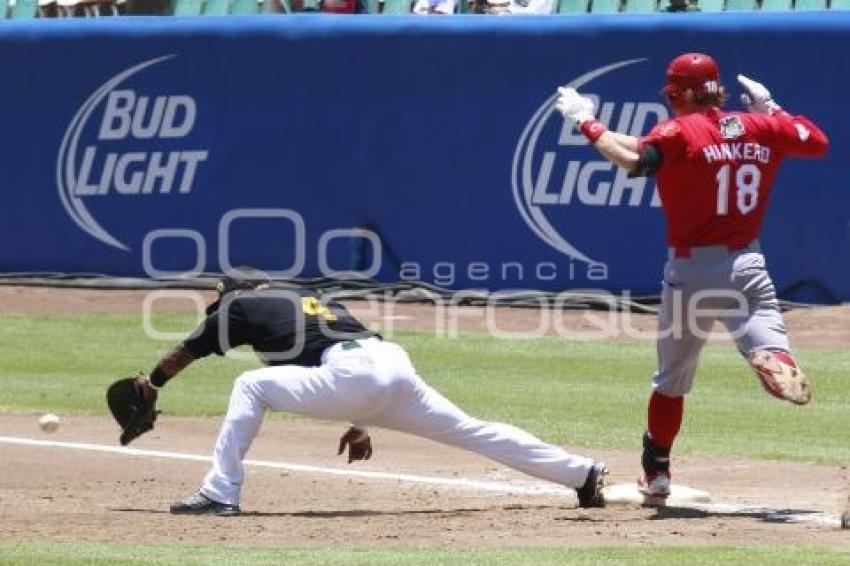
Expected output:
(519, 488)
(525, 488)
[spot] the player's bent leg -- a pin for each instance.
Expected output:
(780, 376)
(429, 414)
(293, 389)
(329, 392)
(335, 392)
(220, 489)
(761, 335)
(223, 482)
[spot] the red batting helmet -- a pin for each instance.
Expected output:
(695, 71)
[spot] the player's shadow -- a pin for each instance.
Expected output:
(766, 515)
(342, 513)
(336, 514)
(138, 510)
(355, 513)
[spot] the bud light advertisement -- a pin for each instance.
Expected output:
(186, 146)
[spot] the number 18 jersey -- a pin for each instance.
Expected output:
(717, 170)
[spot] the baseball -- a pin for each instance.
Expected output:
(49, 422)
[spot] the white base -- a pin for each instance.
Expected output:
(680, 495)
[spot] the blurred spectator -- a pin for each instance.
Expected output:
(99, 8)
(305, 5)
(504, 7)
(681, 6)
(497, 7)
(273, 7)
(148, 7)
(437, 7)
(48, 9)
(339, 6)
(531, 7)
(69, 9)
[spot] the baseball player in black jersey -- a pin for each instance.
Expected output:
(323, 363)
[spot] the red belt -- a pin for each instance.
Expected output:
(687, 251)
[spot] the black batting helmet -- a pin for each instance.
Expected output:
(243, 278)
(238, 279)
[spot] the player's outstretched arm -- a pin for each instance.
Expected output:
(797, 135)
(627, 142)
(800, 136)
(169, 366)
(620, 149)
(621, 152)
(202, 342)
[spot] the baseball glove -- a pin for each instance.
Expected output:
(133, 410)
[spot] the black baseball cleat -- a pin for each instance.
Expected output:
(845, 516)
(590, 494)
(200, 504)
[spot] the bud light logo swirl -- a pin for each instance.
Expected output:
(128, 140)
(566, 192)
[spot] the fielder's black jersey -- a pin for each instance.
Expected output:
(283, 326)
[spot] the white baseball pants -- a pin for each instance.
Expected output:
(367, 383)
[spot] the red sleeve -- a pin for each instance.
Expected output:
(667, 138)
(797, 135)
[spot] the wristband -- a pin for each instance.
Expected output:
(157, 378)
(593, 129)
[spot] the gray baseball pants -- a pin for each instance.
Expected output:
(712, 284)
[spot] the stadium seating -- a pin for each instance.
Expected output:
(776, 5)
(187, 7)
(397, 7)
(640, 6)
(21, 9)
(244, 7)
(604, 6)
(740, 5)
(216, 7)
(810, 4)
(572, 6)
(27, 9)
(712, 5)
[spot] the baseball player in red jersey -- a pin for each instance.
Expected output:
(715, 170)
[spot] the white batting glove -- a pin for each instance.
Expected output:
(756, 97)
(574, 106)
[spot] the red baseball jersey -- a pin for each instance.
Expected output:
(717, 170)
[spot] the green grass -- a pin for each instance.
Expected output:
(582, 394)
(94, 554)
(64, 363)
